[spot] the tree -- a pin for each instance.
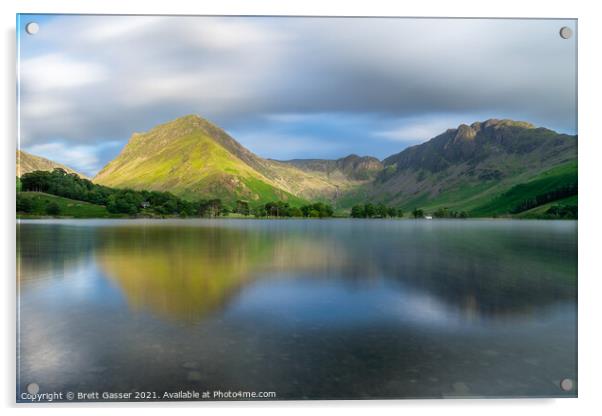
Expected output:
(441, 213)
(321, 209)
(295, 212)
(277, 209)
(259, 211)
(213, 208)
(53, 208)
(24, 204)
(357, 211)
(391, 212)
(369, 210)
(381, 211)
(125, 202)
(122, 201)
(418, 213)
(242, 207)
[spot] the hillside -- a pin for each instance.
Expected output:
(350, 168)
(561, 178)
(38, 203)
(487, 168)
(193, 158)
(468, 167)
(26, 162)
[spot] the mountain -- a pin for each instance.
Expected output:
(487, 168)
(193, 158)
(351, 168)
(26, 162)
(470, 166)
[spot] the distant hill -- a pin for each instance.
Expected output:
(352, 167)
(27, 162)
(470, 166)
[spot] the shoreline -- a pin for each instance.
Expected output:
(44, 218)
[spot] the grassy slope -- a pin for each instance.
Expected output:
(489, 198)
(545, 182)
(437, 174)
(192, 166)
(69, 207)
(539, 212)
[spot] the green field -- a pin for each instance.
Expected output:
(550, 180)
(67, 207)
(540, 211)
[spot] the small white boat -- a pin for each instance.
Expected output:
(428, 217)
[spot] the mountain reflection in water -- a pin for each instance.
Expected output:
(388, 308)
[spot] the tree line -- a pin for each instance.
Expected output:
(543, 198)
(27, 206)
(118, 201)
(131, 202)
(281, 209)
(375, 211)
(562, 212)
(382, 211)
(449, 213)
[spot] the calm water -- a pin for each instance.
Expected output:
(307, 309)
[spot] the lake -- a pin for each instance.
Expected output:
(318, 309)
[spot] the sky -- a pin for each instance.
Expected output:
(285, 87)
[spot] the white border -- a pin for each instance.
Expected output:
(590, 199)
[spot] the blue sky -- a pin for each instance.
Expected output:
(285, 87)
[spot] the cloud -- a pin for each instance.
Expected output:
(420, 129)
(289, 145)
(83, 158)
(56, 71)
(90, 78)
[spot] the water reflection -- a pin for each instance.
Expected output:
(318, 309)
(184, 273)
(51, 251)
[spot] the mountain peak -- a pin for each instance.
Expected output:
(480, 141)
(465, 133)
(497, 123)
(182, 125)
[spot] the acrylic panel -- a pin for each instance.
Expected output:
(295, 208)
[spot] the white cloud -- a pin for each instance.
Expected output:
(43, 106)
(110, 28)
(284, 146)
(417, 131)
(89, 78)
(56, 71)
(291, 117)
(82, 158)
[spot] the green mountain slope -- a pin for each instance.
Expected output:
(26, 162)
(469, 167)
(496, 167)
(555, 184)
(193, 158)
(543, 211)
